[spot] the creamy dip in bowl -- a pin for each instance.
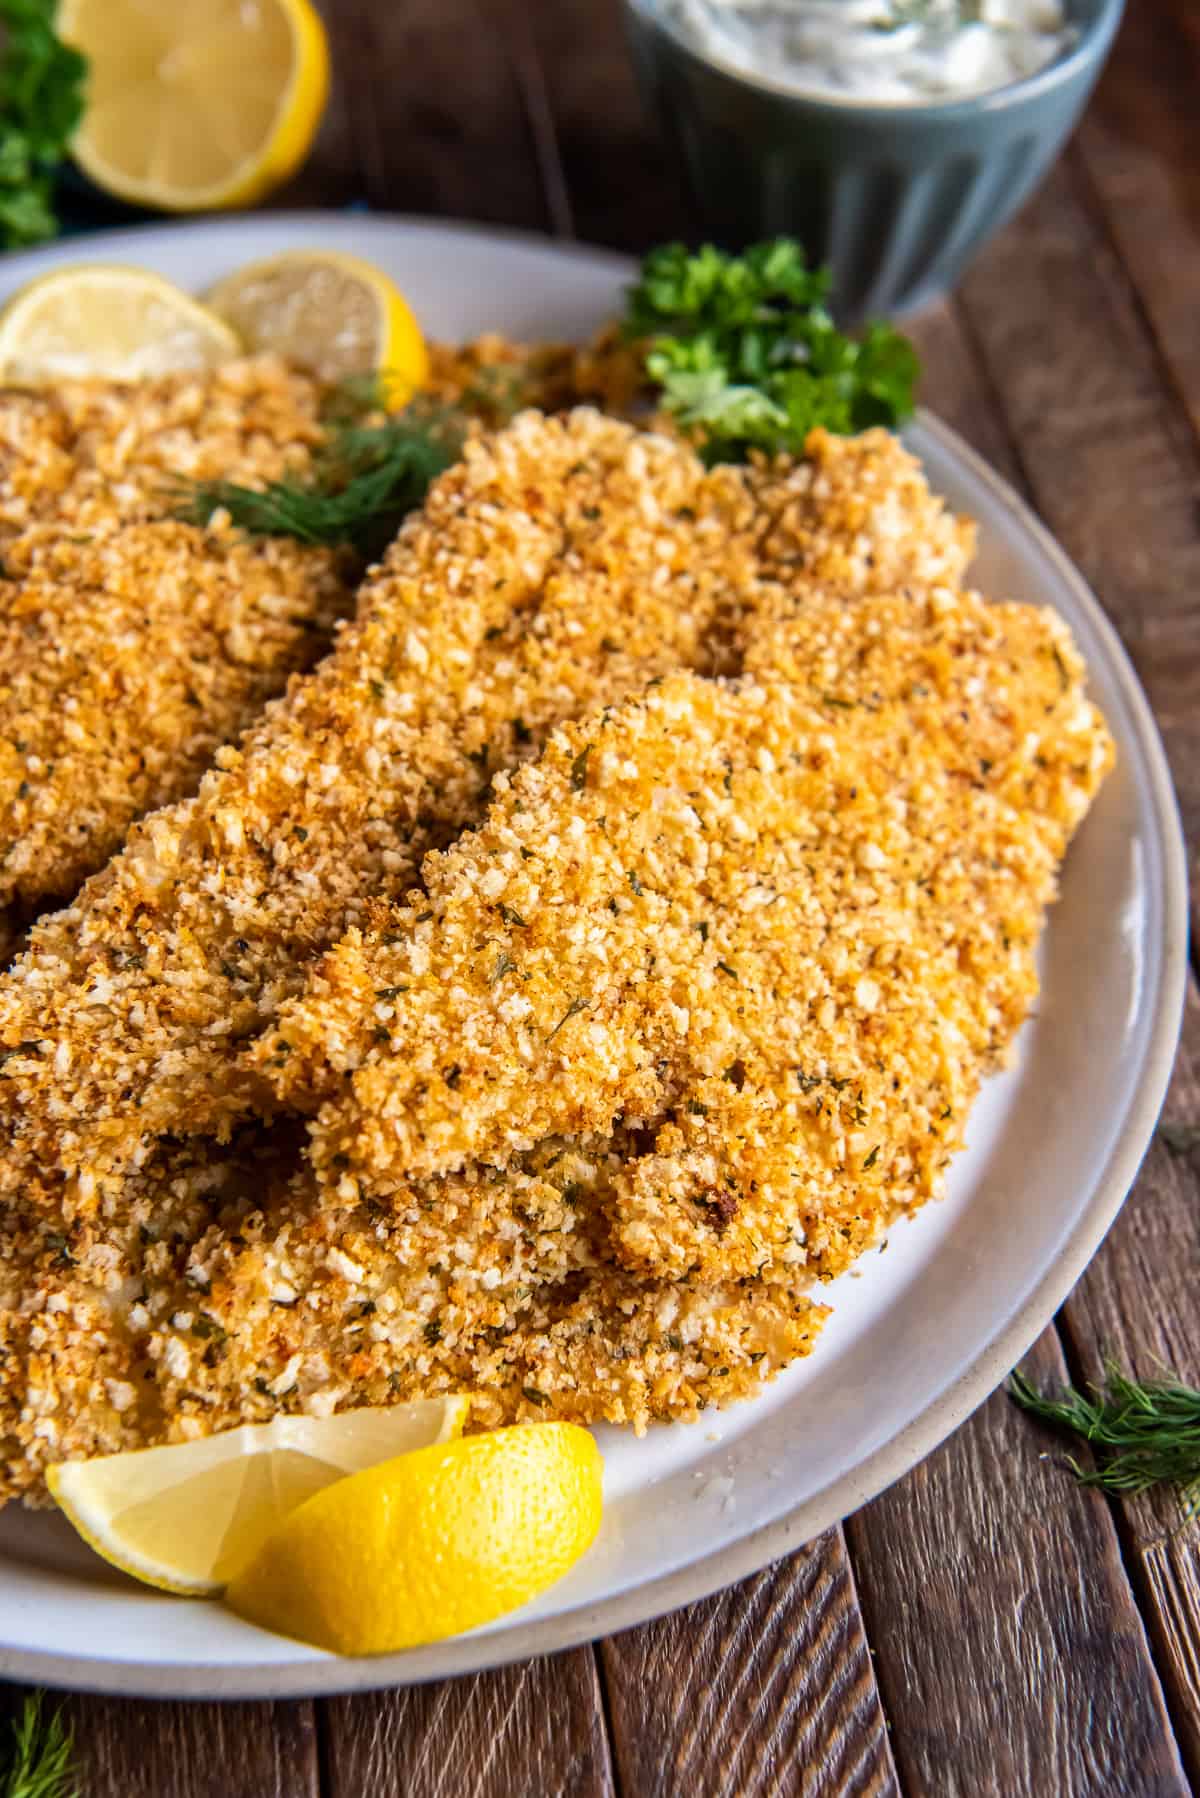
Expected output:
(892, 137)
(888, 52)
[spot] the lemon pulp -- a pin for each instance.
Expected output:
(331, 313)
(186, 1517)
(203, 105)
(111, 321)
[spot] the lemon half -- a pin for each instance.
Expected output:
(430, 1544)
(107, 320)
(333, 314)
(198, 105)
(187, 1517)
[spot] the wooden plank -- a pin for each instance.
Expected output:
(436, 114)
(623, 185)
(952, 386)
(1140, 146)
(768, 1687)
(536, 1729)
(1009, 1650)
(1109, 457)
(125, 1748)
(1137, 1302)
(987, 1605)
(330, 175)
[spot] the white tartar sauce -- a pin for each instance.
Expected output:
(889, 52)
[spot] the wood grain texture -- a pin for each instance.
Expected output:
(953, 386)
(1140, 146)
(1094, 403)
(127, 1749)
(330, 174)
(624, 191)
(437, 117)
(1110, 459)
(536, 1730)
(766, 1688)
(1010, 1652)
(1137, 1303)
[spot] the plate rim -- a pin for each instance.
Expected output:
(330, 1676)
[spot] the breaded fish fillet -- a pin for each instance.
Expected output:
(96, 456)
(559, 566)
(840, 883)
(842, 877)
(231, 1294)
(561, 559)
(126, 659)
(855, 517)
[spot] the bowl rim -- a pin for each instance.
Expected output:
(1088, 52)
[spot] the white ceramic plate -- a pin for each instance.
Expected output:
(919, 1336)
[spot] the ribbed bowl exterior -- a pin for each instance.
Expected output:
(897, 200)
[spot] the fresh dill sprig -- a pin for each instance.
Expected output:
(40, 1761)
(747, 356)
(372, 470)
(1145, 1432)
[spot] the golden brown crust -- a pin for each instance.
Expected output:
(625, 1206)
(561, 564)
(837, 879)
(126, 660)
(132, 646)
(868, 834)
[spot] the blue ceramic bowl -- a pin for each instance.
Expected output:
(896, 199)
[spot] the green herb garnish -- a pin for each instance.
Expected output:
(748, 356)
(41, 102)
(1145, 1432)
(365, 479)
(39, 1762)
(579, 769)
(573, 1010)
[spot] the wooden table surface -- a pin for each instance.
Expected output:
(984, 1626)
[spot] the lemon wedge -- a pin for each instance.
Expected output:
(105, 319)
(186, 1517)
(333, 314)
(197, 106)
(430, 1544)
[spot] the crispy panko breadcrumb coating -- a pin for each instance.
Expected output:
(875, 976)
(126, 659)
(229, 1294)
(855, 517)
(561, 559)
(560, 565)
(131, 646)
(95, 456)
(839, 878)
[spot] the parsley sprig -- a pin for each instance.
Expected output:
(1145, 1432)
(41, 102)
(747, 355)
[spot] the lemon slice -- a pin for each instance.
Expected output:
(104, 319)
(188, 1516)
(200, 105)
(334, 314)
(430, 1544)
